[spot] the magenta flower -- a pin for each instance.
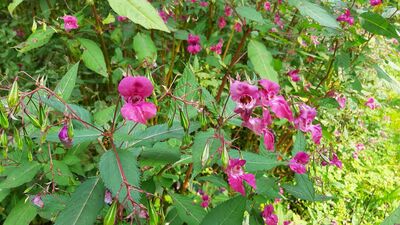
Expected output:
(304, 122)
(37, 200)
(294, 74)
(203, 4)
(221, 22)
(228, 11)
(236, 176)
(371, 103)
(65, 137)
(70, 23)
(346, 17)
(341, 101)
(268, 214)
(259, 127)
(205, 200)
(287, 222)
(267, 6)
(135, 90)
(360, 146)
(245, 96)
(281, 108)
(316, 133)
(336, 161)
(278, 21)
(269, 88)
(298, 162)
(314, 40)
(375, 2)
(218, 47)
(164, 16)
(122, 18)
(193, 44)
(238, 27)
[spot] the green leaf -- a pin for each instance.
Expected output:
(11, 7)
(140, 12)
(268, 187)
(227, 213)
(215, 179)
(103, 116)
(22, 214)
(304, 189)
(256, 162)
(299, 143)
(67, 83)
(395, 84)
(62, 174)
(53, 204)
(329, 103)
(393, 218)
(250, 13)
(36, 40)
(21, 174)
(160, 154)
(93, 57)
(112, 177)
(4, 193)
(80, 136)
(200, 141)
(190, 212)
(376, 24)
(316, 12)
(261, 59)
(85, 204)
(144, 48)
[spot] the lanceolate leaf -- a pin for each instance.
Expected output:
(86, 202)
(22, 214)
(21, 174)
(36, 40)
(80, 136)
(93, 57)
(395, 84)
(299, 143)
(140, 12)
(67, 83)
(256, 162)
(376, 24)
(11, 7)
(227, 213)
(200, 141)
(144, 48)
(261, 59)
(188, 211)
(393, 218)
(304, 189)
(250, 14)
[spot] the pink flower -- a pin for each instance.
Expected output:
(238, 27)
(218, 47)
(371, 103)
(298, 162)
(375, 2)
(336, 161)
(355, 155)
(294, 74)
(193, 39)
(221, 22)
(65, 137)
(278, 21)
(236, 176)
(135, 90)
(37, 200)
(267, 6)
(314, 40)
(346, 17)
(287, 222)
(164, 16)
(245, 96)
(205, 200)
(360, 146)
(268, 214)
(269, 140)
(307, 115)
(228, 11)
(341, 100)
(108, 197)
(121, 18)
(203, 4)
(194, 49)
(316, 133)
(70, 23)
(281, 108)
(193, 44)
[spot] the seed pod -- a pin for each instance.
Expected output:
(203, 120)
(224, 157)
(109, 219)
(13, 95)
(3, 120)
(4, 140)
(186, 139)
(171, 120)
(153, 216)
(184, 120)
(42, 116)
(34, 121)
(17, 139)
(206, 154)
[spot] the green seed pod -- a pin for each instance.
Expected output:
(42, 115)
(171, 120)
(4, 140)
(224, 157)
(18, 140)
(109, 219)
(70, 130)
(203, 120)
(13, 95)
(186, 139)
(3, 120)
(206, 154)
(153, 216)
(184, 120)
(34, 121)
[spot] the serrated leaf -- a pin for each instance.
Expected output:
(250, 13)
(190, 212)
(393, 218)
(199, 143)
(103, 116)
(85, 204)
(256, 162)
(140, 12)
(395, 84)
(299, 143)
(11, 7)
(268, 187)
(53, 204)
(316, 12)
(145, 48)
(93, 57)
(261, 59)
(36, 40)
(67, 83)
(159, 154)
(304, 189)
(112, 177)
(22, 214)
(227, 213)
(376, 24)
(21, 174)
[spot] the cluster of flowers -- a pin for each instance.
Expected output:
(193, 44)
(205, 199)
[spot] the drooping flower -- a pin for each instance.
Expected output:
(221, 22)
(341, 99)
(278, 21)
(294, 74)
(269, 216)
(375, 2)
(314, 40)
(135, 90)
(371, 103)
(281, 108)
(336, 161)
(164, 16)
(70, 23)
(228, 11)
(238, 27)
(298, 162)
(267, 6)
(205, 200)
(218, 47)
(65, 137)
(316, 133)
(37, 200)
(193, 44)
(236, 176)
(245, 96)
(122, 18)
(346, 17)
(304, 122)
(108, 197)
(203, 4)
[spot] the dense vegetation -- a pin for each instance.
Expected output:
(199, 112)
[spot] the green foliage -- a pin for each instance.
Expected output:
(187, 211)
(22, 214)
(21, 174)
(66, 85)
(261, 59)
(229, 212)
(36, 39)
(93, 57)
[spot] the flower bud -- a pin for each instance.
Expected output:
(42, 116)
(184, 120)
(35, 122)
(37, 200)
(18, 140)
(65, 139)
(206, 154)
(153, 216)
(224, 157)
(13, 95)
(108, 197)
(109, 219)
(3, 120)
(4, 140)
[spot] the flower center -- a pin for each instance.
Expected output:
(246, 99)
